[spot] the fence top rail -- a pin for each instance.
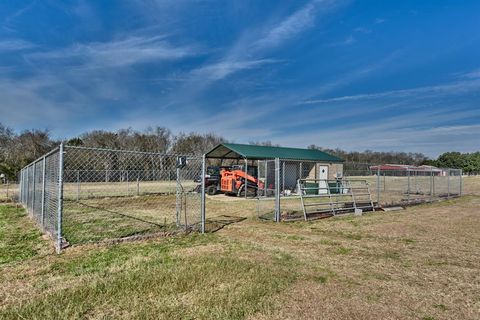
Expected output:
(131, 151)
(333, 180)
(42, 157)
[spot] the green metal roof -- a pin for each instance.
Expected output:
(254, 152)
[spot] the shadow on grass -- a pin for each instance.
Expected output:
(215, 224)
(121, 214)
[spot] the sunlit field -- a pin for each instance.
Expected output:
(418, 263)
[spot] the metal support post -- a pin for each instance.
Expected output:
(461, 182)
(203, 212)
(128, 185)
(265, 184)
(277, 189)
(246, 179)
(138, 185)
(33, 189)
(60, 199)
(378, 186)
(20, 195)
(408, 186)
(179, 197)
(78, 185)
(448, 183)
(384, 182)
(42, 217)
(431, 184)
(20, 187)
(300, 176)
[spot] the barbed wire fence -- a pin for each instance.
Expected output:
(81, 195)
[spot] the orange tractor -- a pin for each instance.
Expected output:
(235, 182)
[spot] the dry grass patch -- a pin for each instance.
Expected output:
(420, 263)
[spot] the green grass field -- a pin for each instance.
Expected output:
(420, 263)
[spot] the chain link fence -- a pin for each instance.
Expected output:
(399, 185)
(8, 191)
(80, 195)
(297, 189)
(40, 193)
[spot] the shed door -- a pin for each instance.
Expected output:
(323, 177)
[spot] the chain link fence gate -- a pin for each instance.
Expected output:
(80, 195)
(298, 190)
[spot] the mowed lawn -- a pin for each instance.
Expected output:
(419, 263)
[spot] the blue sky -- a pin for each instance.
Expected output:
(380, 75)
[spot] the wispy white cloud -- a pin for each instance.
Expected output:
(8, 23)
(15, 45)
(379, 20)
(118, 53)
(290, 27)
(404, 133)
(249, 51)
(26, 102)
(452, 88)
(475, 74)
(220, 70)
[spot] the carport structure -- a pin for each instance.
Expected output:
(278, 168)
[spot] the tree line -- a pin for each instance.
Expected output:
(17, 149)
(468, 162)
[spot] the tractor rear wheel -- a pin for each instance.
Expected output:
(212, 190)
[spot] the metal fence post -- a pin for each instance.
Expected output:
(20, 196)
(78, 185)
(203, 207)
(42, 217)
(265, 183)
(448, 182)
(378, 186)
(20, 187)
(431, 184)
(246, 178)
(384, 182)
(179, 197)
(138, 186)
(128, 185)
(33, 189)
(27, 199)
(60, 199)
(277, 190)
(408, 186)
(461, 182)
